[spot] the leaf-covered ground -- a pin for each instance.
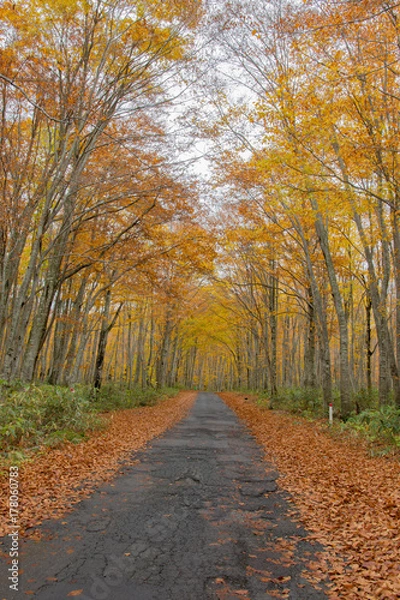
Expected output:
(58, 478)
(350, 501)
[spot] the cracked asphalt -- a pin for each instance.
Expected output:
(199, 517)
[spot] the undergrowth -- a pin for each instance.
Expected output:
(113, 396)
(306, 402)
(33, 416)
(378, 425)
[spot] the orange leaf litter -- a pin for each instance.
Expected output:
(58, 478)
(350, 501)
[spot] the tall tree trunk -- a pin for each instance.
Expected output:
(129, 352)
(149, 370)
(396, 261)
(172, 375)
(345, 379)
(106, 327)
(60, 344)
(273, 320)
(317, 300)
(164, 352)
(387, 355)
(76, 327)
(368, 350)
(138, 378)
(310, 346)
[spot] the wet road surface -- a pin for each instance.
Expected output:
(200, 517)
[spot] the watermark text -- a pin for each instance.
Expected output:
(13, 534)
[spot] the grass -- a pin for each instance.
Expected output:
(114, 396)
(306, 402)
(38, 415)
(378, 425)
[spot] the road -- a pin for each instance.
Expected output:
(199, 517)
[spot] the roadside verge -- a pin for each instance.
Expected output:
(350, 501)
(56, 479)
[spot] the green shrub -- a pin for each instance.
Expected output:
(308, 402)
(30, 415)
(300, 401)
(113, 396)
(33, 415)
(365, 399)
(377, 425)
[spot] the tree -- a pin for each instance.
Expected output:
(70, 73)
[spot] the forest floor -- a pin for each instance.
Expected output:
(351, 501)
(57, 478)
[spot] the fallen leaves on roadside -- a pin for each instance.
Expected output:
(59, 478)
(350, 501)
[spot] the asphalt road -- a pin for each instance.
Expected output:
(199, 517)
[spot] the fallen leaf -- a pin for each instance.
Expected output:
(60, 477)
(349, 500)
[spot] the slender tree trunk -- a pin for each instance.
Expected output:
(326, 363)
(106, 327)
(172, 375)
(368, 350)
(164, 352)
(129, 352)
(387, 355)
(345, 379)
(273, 319)
(60, 345)
(149, 370)
(285, 352)
(74, 336)
(396, 261)
(138, 378)
(310, 346)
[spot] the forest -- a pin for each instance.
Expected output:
(202, 195)
(200, 224)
